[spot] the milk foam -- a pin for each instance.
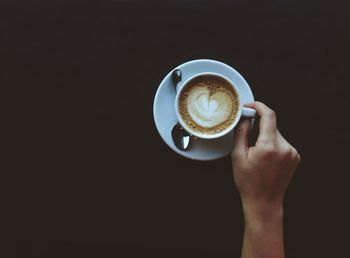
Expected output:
(208, 109)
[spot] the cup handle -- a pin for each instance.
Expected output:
(248, 112)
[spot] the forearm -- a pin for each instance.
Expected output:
(263, 234)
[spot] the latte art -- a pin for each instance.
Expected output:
(208, 110)
(208, 104)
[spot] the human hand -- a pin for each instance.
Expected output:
(262, 172)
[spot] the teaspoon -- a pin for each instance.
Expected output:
(181, 138)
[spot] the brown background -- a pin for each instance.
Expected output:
(84, 171)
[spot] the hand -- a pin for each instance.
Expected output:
(262, 172)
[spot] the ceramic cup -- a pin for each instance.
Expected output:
(241, 112)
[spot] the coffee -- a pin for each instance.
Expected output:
(208, 104)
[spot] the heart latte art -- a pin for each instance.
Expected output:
(208, 110)
(208, 104)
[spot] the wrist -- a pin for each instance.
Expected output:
(262, 213)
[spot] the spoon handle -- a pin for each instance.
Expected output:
(176, 77)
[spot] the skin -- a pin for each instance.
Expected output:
(262, 174)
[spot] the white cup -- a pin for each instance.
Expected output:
(242, 111)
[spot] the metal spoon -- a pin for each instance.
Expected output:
(181, 138)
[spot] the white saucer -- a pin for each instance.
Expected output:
(165, 117)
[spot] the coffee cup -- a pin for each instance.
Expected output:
(208, 105)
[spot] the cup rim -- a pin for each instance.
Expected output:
(201, 135)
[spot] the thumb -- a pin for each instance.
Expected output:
(240, 139)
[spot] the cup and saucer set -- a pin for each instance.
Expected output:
(166, 116)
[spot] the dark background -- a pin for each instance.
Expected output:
(84, 172)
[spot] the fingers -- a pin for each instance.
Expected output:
(268, 124)
(240, 138)
(281, 140)
(287, 147)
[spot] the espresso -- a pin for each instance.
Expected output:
(208, 104)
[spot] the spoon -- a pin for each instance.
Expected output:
(181, 138)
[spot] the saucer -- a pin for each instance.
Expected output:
(165, 116)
